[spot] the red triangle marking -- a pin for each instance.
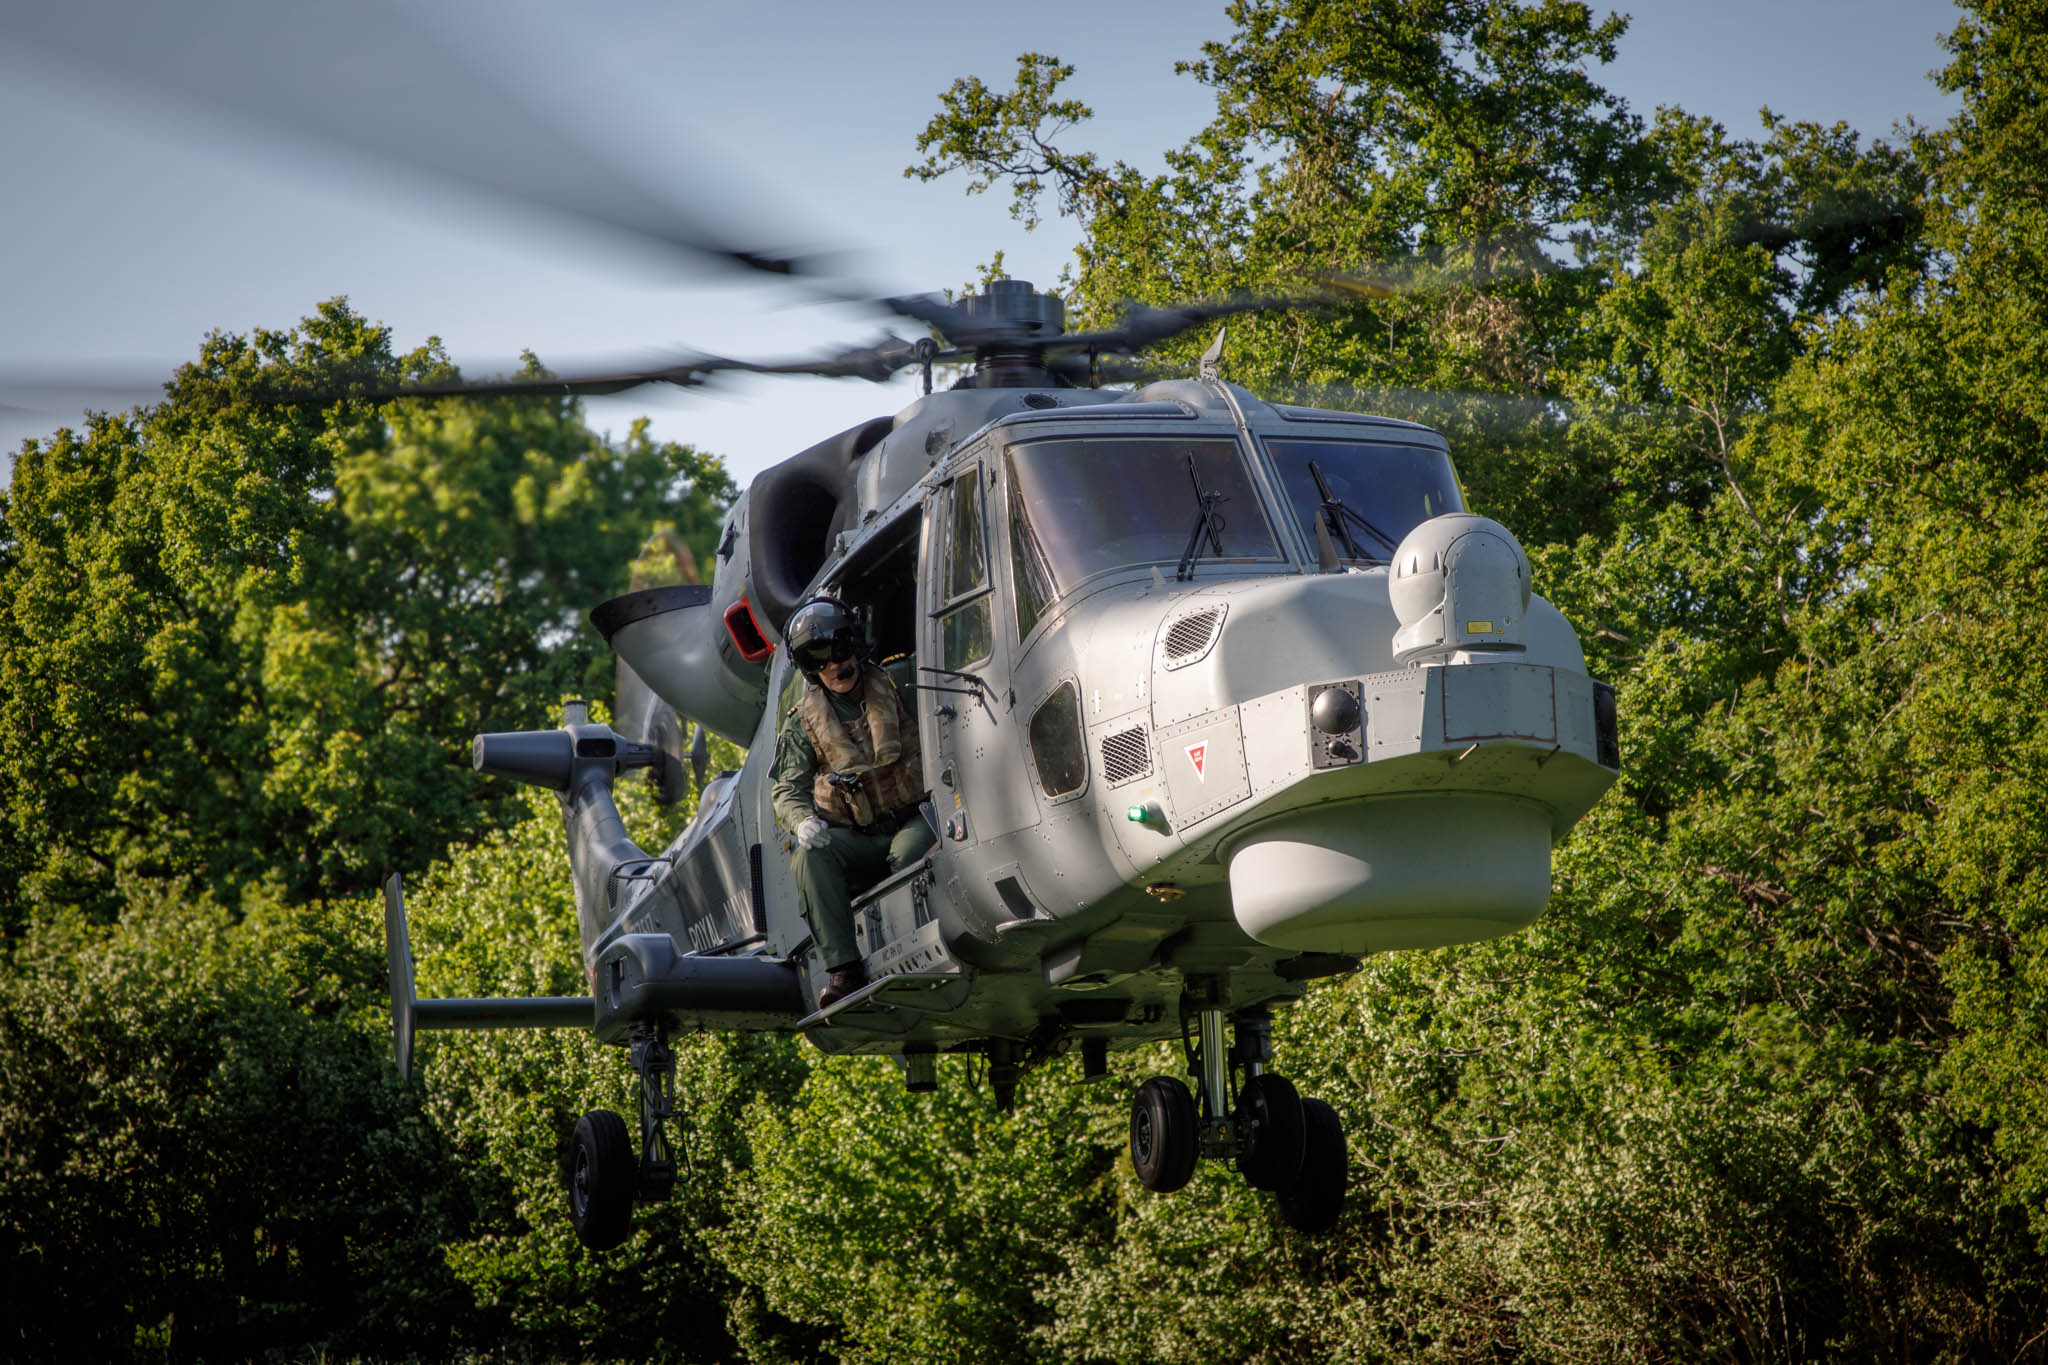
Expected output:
(1198, 754)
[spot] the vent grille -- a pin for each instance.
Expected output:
(1125, 755)
(1190, 637)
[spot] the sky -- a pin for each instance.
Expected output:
(136, 223)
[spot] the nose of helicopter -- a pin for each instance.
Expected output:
(1367, 803)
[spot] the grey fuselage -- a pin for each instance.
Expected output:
(1135, 800)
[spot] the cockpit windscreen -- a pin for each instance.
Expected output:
(1370, 494)
(1078, 507)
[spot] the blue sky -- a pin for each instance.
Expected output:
(135, 227)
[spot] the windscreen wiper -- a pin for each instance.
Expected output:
(1342, 519)
(977, 687)
(1209, 521)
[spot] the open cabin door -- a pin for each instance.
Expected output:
(973, 762)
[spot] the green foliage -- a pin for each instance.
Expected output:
(917, 1227)
(203, 1151)
(1764, 1083)
(499, 919)
(245, 640)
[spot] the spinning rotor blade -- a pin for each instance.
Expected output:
(595, 384)
(1143, 325)
(363, 79)
(45, 393)
(876, 363)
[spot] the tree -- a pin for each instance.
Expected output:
(247, 631)
(1764, 1081)
(203, 1151)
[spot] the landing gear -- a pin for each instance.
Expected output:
(1165, 1134)
(1313, 1202)
(1280, 1141)
(1269, 1113)
(605, 1174)
(602, 1173)
(655, 1063)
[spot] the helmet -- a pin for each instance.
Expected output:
(822, 631)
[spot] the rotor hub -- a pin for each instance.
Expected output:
(1042, 316)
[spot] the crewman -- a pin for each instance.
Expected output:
(848, 781)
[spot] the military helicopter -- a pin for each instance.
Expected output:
(1216, 697)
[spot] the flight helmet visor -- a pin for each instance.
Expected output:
(817, 654)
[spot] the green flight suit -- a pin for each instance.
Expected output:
(826, 877)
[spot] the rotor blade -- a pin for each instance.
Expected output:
(1143, 325)
(877, 363)
(1358, 287)
(595, 384)
(363, 79)
(1473, 410)
(65, 395)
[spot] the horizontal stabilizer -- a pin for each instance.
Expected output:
(409, 1012)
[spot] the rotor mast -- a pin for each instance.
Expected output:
(1020, 321)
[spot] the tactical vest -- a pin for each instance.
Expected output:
(873, 748)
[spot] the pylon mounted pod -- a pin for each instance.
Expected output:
(1458, 582)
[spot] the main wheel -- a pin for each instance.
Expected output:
(1315, 1199)
(603, 1169)
(1164, 1134)
(1269, 1107)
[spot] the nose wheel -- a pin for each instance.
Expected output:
(1165, 1134)
(1280, 1141)
(1274, 1127)
(1311, 1204)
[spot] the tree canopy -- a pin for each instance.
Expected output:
(245, 640)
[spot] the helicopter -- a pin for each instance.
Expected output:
(1216, 697)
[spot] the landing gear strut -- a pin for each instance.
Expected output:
(1280, 1141)
(605, 1174)
(655, 1063)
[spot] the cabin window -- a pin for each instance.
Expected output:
(1056, 742)
(1370, 493)
(1080, 507)
(966, 630)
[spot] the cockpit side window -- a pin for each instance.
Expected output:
(1030, 569)
(1368, 493)
(966, 626)
(967, 546)
(1079, 507)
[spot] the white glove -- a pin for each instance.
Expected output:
(811, 833)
